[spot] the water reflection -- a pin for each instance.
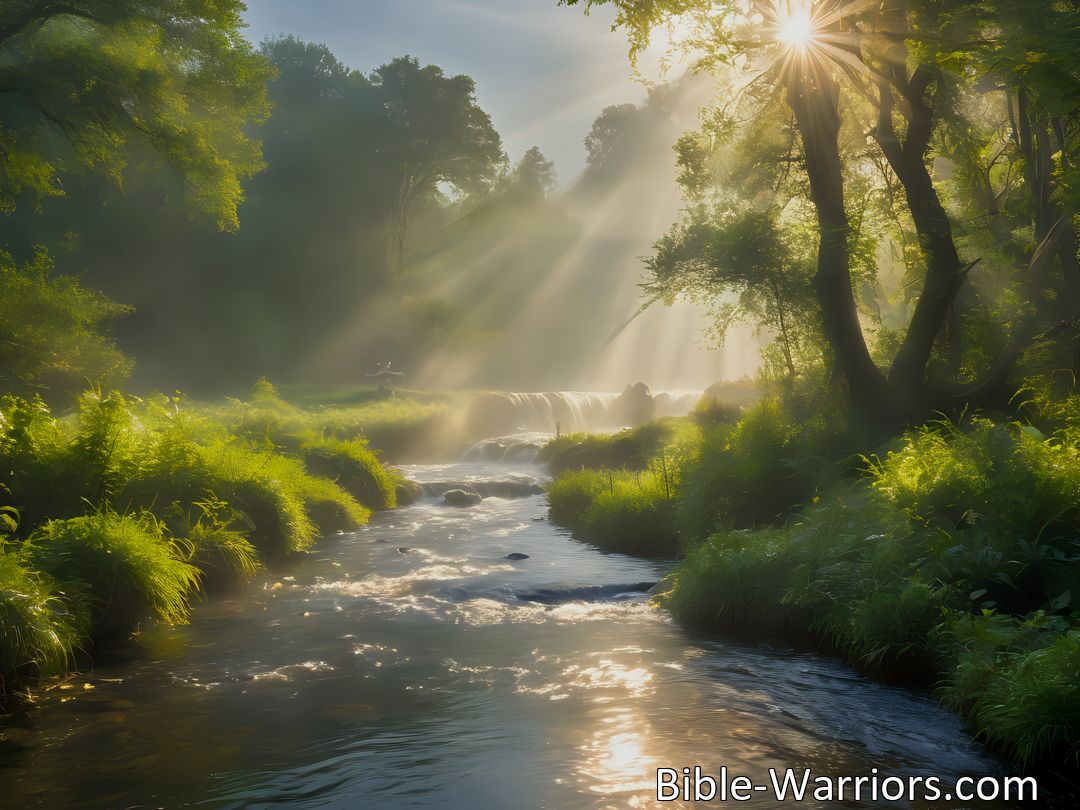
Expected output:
(615, 763)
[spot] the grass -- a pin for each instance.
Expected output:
(399, 426)
(626, 511)
(951, 557)
(123, 567)
(38, 634)
(120, 512)
(628, 449)
(355, 467)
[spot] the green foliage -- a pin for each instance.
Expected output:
(631, 512)
(954, 559)
(396, 426)
(1016, 680)
(282, 505)
(88, 81)
(756, 471)
(534, 177)
(53, 330)
(219, 550)
(158, 453)
(198, 506)
(1032, 709)
(746, 266)
(630, 449)
(734, 581)
(425, 107)
(355, 467)
(37, 632)
(122, 566)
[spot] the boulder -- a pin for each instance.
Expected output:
(408, 493)
(461, 497)
(634, 406)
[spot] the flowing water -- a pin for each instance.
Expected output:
(411, 664)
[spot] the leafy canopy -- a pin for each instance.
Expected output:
(85, 82)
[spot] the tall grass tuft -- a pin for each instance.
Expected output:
(38, 632)
(631, 512)
(122, 566)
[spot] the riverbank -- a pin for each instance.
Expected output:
(947, 556)
(126, 510)
(413, 663)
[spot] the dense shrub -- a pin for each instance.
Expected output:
(734, 582)
(38, 632)
(755, 471)
(122, 566)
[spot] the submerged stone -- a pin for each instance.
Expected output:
(517, 556)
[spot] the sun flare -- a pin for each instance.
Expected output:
(795, 25)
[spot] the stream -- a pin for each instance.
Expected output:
(410, 664)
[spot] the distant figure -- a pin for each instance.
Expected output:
(383, 377)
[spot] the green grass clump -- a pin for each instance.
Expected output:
(38, 633)
(1031, 708)
(122, 566)
(572, 493)
(284, 506)
(630, 449)
(733, 582)
(224, 556)
(1016, 679)
(631, 512)
(217, 546)
(353, 465)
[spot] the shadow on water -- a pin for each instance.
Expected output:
(411, 664)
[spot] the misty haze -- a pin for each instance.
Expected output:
(539, 403)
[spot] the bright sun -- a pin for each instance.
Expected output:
(795, 26)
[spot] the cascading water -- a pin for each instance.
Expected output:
(509, 413)
(572, 410)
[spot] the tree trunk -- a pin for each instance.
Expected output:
(814, 101)
(944, 274)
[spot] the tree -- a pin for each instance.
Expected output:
(610, 133)
(54, 330)
(438, 138)
(904, 61)
(84, 82)
(741, 264)
(534, 177)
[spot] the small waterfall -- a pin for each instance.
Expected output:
(497, 414)
(520, 420)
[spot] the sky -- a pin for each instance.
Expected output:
(543, 72)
